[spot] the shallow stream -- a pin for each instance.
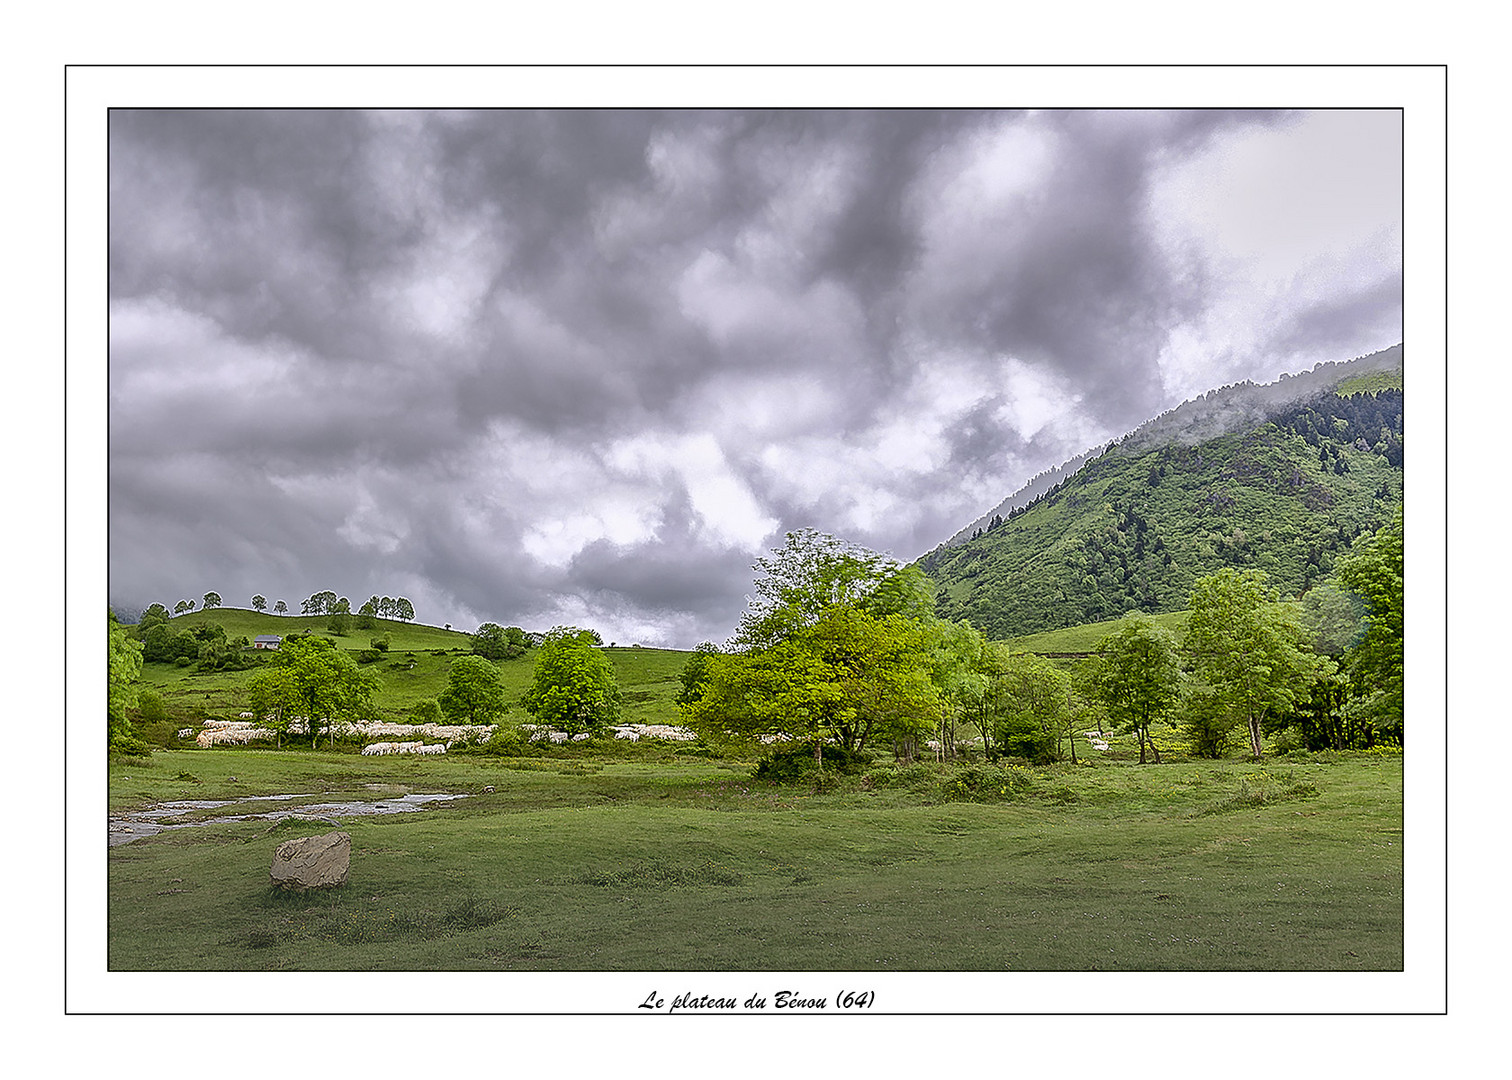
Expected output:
(185, 814)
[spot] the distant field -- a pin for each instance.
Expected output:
(1085, 638)
(415, 668)
(1369, 384)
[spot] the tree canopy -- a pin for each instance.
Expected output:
(495, 642)
(831, 647)
(1137, 677)
(1251, 650)
(474, 692)
(309, 677)
(1373, 571)
(573, 687)
(123, 668)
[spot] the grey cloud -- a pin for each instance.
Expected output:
(329, 326)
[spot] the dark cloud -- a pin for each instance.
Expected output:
(583, 366)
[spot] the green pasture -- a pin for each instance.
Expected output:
(415, 668)
(650, 857)
(1086, 638)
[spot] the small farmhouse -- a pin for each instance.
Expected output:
(266, 641)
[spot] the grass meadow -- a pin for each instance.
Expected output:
(653, 857)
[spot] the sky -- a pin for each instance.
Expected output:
(582, 367)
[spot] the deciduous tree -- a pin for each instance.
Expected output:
(123, 668)
(495, 642)
(1373, 570)
(1137, 677)
(573, 687)
(1248, 647)
(310, 677)
(474, 692)
(825, 650)
(1031, 707)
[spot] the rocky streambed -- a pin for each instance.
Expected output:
(319, 809)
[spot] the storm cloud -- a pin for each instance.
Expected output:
(585, 366)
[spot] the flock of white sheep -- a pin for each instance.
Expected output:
(403, 748)
(246, 730)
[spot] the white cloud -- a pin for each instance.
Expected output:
(726, 509)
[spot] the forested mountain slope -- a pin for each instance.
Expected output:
(1285, 488)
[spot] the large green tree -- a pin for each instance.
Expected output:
(1030, 705)
(695, 673)
(831, 647)
(813, 573)
(495, 642)
(474, 692)
(309, 677)
(123, 668)
(573, 687)
(1137, 677)
(960, 661)
(1252, 650)
(1373, 571)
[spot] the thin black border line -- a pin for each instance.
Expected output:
(1444, 68)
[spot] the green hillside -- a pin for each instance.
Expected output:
(1135, 528)
(243, 622)
(415, 668)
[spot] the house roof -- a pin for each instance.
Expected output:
(267, 637)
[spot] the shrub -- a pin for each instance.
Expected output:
(150, 706)
(129, 745)
(794, 763)
(985, 783)
(1020, 737)
(506, 741)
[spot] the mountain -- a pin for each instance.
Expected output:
(1279, 477)
(1021, 498)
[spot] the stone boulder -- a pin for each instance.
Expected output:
(312, 862)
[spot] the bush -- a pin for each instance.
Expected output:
(151, 708)
(1208, 728)
(920, 776)
(129, 745)
(794, 763)
(1020, 737)
(506, 741)
(985, 783)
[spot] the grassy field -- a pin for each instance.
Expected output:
(603, 859)
(1085, 638)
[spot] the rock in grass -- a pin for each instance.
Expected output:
(312, 862)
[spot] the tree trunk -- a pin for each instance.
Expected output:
(1254, 734)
